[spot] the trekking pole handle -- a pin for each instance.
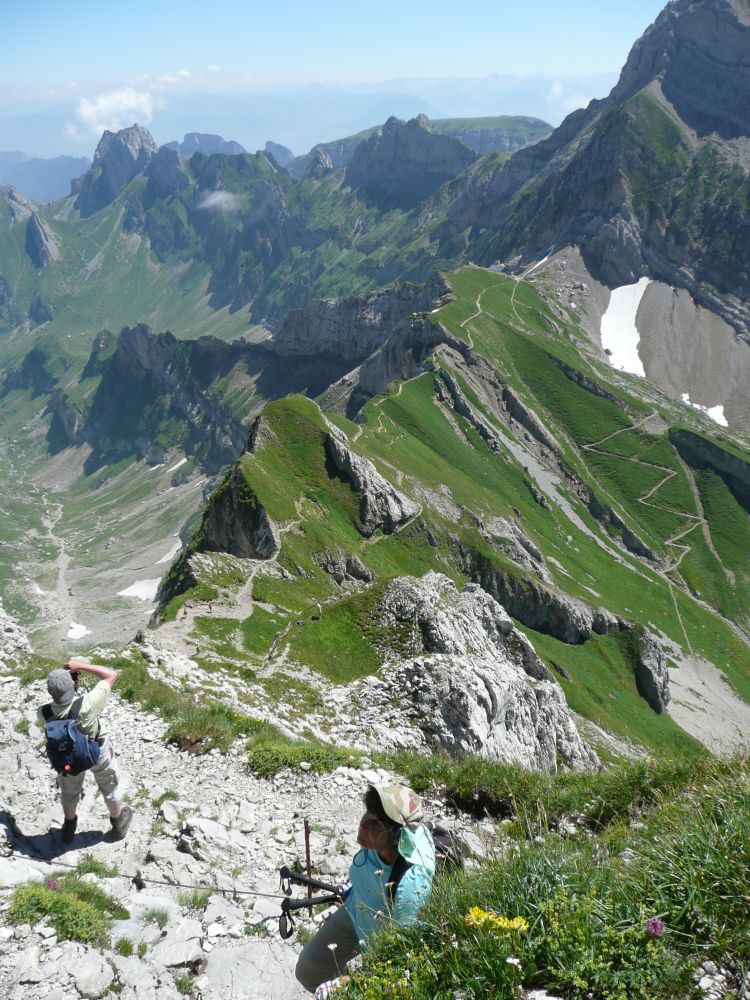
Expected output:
(305, 903)
(287, 875)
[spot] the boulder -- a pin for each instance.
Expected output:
(181, 946)
(92, 974)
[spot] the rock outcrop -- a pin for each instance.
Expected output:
(405, 163)
(165, 176)
(535, 604)
(237, 523)
(19, 206)
(381, 506)
(651, 673)
(471, 682)
(154, 378)
(41, 245)
(118, 158)
(354, 327)
(700, 453)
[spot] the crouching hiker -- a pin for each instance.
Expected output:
(391, 878)
(83, 744)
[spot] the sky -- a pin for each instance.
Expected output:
(100, 64)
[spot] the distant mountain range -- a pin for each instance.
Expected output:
(648, 183)
(41, 180)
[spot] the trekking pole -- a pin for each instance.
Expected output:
(307, 855)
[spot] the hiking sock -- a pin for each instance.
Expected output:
(121, 823)
(69, 829)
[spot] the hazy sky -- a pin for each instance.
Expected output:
(49, 44)
(108, 64)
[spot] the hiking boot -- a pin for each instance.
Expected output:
(121, 824)
(69, 829)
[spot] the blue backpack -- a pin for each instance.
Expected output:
(69, 750)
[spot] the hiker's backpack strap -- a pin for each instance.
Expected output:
(75, 708)
(47, 712)
(400, 867)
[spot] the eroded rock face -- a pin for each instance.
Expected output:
(477, 685)
(237, 523)
(694, 48)
(41, 245)
(538, 606)
(382, 507)
(651, 673)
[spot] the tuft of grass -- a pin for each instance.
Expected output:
(269, 752)
(156, 915)
(125, 947)
(195, 899)
(22, 726)
(88, 864)
(169, 795)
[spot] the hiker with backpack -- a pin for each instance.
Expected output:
(77, 742)
(390, 879)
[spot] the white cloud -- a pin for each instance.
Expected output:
(213, 69)
(185, 74)
(115, 110)
(562, 101)
(222, 201)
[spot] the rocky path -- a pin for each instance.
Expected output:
(203, 822)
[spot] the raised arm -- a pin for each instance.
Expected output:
(105, 674)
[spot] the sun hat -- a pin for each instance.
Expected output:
(401, 804)
(60, 686)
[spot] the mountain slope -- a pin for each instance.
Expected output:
(574, 499)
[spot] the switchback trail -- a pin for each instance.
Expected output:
(681, 549)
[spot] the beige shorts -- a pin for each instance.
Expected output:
(106, 773)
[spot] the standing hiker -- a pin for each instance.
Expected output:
(86, 709)
(391, 878)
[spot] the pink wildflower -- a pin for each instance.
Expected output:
(656, 927)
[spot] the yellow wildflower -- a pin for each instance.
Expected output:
(493, 922)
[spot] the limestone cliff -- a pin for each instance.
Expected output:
(352, 328)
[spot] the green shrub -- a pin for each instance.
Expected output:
(78, 910)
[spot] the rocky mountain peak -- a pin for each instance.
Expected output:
(135, 143)
(118, 158)
(699, 50)
(405, 163)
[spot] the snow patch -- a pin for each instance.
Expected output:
(182, 462)
(620, 337)
(77, 631)
(716, 413)
(171, 554)
(143, 590)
